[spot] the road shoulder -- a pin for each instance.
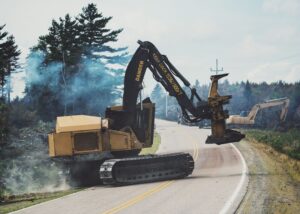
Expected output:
(272, 187)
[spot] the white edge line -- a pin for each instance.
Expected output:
(238, 188)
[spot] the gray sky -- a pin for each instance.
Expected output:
(256, 40)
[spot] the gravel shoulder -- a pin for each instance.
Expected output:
(274, 184)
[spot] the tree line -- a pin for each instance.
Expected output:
(244, 96)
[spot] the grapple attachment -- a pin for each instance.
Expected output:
(229, 136)
(220, 135)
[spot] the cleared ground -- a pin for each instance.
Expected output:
(216, 186)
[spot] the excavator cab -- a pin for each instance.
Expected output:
(139, 123)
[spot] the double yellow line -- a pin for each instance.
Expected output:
(139, 197)
(151, 191)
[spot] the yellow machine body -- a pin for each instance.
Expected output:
(83, 134)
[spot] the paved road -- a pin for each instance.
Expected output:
(216, 185)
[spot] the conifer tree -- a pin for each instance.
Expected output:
(9, 55)
(62, 43)
(197, 86)
(248, 95)
(158, 96)
(94, 35)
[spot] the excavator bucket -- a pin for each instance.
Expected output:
(220, 135)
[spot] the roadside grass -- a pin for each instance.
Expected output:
(283, 146)
(284, 142)
(154, 147)
(10, 203)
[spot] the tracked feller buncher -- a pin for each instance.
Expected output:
(106, 149)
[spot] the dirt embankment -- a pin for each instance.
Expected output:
(274, 180)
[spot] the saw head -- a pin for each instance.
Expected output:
(220, 135)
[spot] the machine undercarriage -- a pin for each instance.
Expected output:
(146, 168)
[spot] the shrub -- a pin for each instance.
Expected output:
(20, 115)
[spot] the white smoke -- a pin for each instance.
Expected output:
(94, 84)
(26, 165)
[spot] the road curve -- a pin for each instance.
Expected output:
(217, 184)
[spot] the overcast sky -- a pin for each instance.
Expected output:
(256, 40)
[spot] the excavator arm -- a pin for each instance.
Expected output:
(250, 119)
(148, 57)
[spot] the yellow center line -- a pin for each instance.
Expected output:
(151, 191)
(139, 197)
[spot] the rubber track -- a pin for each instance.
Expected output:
(146, 168)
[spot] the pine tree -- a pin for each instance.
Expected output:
(62, 43)
(2, 59)
(198, 89)
(3, 120)
(61, 46)
(197, 86)
(98, 58)
(248, 95)
(158, 96)
(9, 55)
(157, 93)
(94, 35)
(79, 61)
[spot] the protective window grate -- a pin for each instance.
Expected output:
(85, 141)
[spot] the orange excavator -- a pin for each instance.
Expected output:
(107, 148)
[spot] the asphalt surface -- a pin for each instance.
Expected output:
(217, 184)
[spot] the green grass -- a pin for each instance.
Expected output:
(12, 203)
(154, 147)
(285, 142)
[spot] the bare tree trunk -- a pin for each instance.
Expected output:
(8, 88)
(64, 80)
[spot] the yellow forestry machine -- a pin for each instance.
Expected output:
(106, 149)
